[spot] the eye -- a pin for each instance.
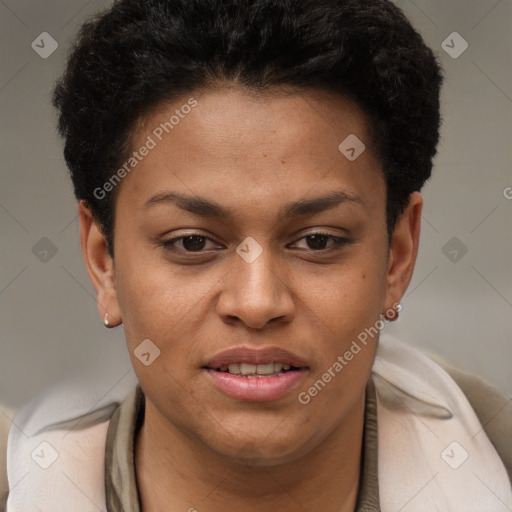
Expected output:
(189, 243)
(318, 241)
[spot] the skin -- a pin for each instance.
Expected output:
(197, 447)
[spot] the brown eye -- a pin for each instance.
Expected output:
(319, 241)
(189, 243)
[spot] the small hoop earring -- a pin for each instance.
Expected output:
(105, 321)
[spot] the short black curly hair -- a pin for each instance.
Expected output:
(139, 53)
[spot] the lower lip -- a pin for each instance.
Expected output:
(257, 389)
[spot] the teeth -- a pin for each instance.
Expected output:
(246, 369)
(253, 370)
(234, 368)
(265, 369)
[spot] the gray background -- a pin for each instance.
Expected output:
(458, 305)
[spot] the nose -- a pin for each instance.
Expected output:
(256, 293)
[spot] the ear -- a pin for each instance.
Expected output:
(100, 266)
(403, 250)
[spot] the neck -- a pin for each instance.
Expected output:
(174, 469)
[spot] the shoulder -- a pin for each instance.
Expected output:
(67, 421)
(493, 408)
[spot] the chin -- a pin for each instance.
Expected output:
(259, 448)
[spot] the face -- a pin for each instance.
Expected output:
(246, 237)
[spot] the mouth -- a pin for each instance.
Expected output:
(256, 375)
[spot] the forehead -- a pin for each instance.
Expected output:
(234, 146)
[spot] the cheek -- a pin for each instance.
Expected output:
(169, 306)
(157, 305)
(349, 314)
(153, 293)
(348, 310)
(351, 295)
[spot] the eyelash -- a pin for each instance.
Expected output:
(168, 244)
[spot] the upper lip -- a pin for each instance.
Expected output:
(249, 355)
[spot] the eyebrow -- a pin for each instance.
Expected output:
(207, 208)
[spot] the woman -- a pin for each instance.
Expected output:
(248, 177)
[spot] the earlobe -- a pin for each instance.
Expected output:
(99, 265)
(403, 250)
